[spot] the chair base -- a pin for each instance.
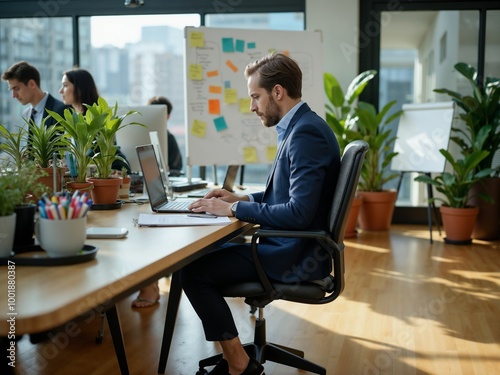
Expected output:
(263, 351)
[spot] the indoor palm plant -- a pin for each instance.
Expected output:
(455, 188)
(480, 112)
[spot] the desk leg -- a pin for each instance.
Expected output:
(174, 298)
(116, 335)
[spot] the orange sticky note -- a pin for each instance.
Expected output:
(214, 106)
(231, 66)
(212, 73)
(215, 89)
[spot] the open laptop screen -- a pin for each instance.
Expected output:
(151, 173)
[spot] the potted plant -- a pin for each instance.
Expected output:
(457, 215)
(17, 212)
(480, 111)
(125, 186)
(79, 134)
(14, 145)
(105, 149)
(341, 118)
(378, 202)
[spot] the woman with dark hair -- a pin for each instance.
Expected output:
(78, 88)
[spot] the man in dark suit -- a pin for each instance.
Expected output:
(24, 82)
(297, 196)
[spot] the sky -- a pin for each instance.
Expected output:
(119, 30)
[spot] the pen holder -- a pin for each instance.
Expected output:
(61, 238)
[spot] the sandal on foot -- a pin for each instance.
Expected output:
(144, 302)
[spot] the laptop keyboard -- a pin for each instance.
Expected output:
(176, 205)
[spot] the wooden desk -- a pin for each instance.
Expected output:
(48, 297)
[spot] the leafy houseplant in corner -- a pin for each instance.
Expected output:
(458, 217)
(105, 149)
(480, 112)
(378, 203)
(341, 118)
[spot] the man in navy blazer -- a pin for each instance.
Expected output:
(297, 196)
(24, 82)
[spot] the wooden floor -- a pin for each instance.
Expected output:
(409, 307)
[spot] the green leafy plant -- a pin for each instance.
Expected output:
(104, 144)
(455, 185)
(481, 114)
(79, 134)
(372, 127)
(18, 184)
(14, 145)
(340, 114)
(45, 141)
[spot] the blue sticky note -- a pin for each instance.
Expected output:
(240, 45)
(220, 123)
(251, 45)
(227, 45)
(227, 84)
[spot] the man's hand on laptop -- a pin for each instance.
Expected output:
(217, 202)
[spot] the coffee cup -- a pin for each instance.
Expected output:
(61, 238)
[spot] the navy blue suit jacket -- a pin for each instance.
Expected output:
(52, 104)
(298, 196)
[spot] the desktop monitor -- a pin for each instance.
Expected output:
(155, 118)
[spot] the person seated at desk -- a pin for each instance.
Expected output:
(298, 195)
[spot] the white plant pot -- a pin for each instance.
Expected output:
(7, 231)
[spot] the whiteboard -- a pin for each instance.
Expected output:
(220, 128)
(423, 130)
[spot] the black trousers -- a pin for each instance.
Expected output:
(202, 279)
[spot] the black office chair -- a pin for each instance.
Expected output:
(260, 294)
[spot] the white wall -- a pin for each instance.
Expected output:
(338, 21)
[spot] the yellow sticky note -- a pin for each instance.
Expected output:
(245, 105)
(199, 128)
(215, 89)
(250, 155)
(195, 72)
(214, 106)
(271, 152)
(230, 96)
(196, 39)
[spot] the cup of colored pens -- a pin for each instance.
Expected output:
(64, 206)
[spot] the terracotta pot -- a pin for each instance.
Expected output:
(488, 220)
(49, 179)
(82, 187)
(105, 190)
(376, 211)
(352, 220)
(124, 188)
(458, 223)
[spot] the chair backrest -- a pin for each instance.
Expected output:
(350, 170)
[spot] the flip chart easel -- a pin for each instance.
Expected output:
(423, 130)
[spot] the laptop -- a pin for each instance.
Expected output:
(153, 181)
(229, 179)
